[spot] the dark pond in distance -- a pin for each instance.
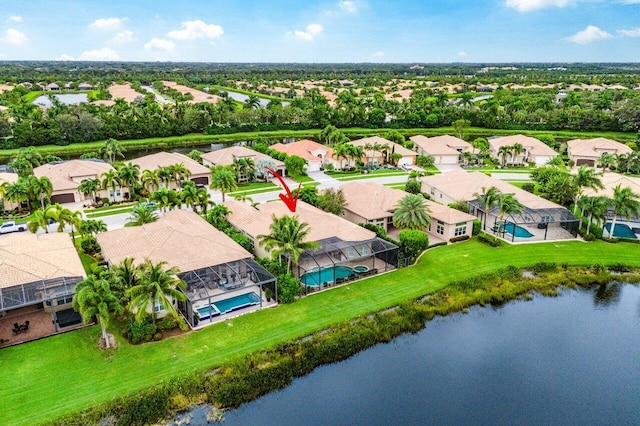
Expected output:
(573, 359)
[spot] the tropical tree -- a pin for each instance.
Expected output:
(90, 187)
(16, 192)
(110, 179)
(332, 201)
(503, 152)
(217, 217)
(124, 276)
(165, 198)
(295, 165)
(150, 180)
(586, 177)
(141, 214)
(508, 204)
(626, 203)
(94, 298)
(180, 173)
(157, 289)
(607, 161)
(42, 218)
(244, 168)
(92, 227)
(223, 179)
(165, 175)
(129, 175)
(595, 208)
(65, 216)
(287, 239)
(516, 149)
(195, 155)
(412, 212)
(39, 188)
(489, 199)
(111, 149)
(190, 195)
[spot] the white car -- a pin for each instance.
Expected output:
(11, 226)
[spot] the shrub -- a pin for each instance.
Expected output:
(288, 288)
(413, 186)
(544, 267)
(477, 227)
(90, 245)
(166, 323)
(589, 237)
(459, 238)
(489, 239)
(412, 243)
(529, 186)
(138, 332)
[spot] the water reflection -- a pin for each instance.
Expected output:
(607, 295)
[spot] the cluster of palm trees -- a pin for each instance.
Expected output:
(141, 290)
(510, 151)
(491, 198)
(55, 213)
(27, 189)
(624, 202)
(622, 163)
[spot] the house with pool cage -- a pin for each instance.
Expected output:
(540, 220)
(222, 278)
(347, 251)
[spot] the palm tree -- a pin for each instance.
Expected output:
(252, 102)
(94, 298)
(594, 208)
(129, 175)
(41, 219)
(189, 195)
(287, 238)
(217, 216)
(141, 214)
(112, 149)
(503, 152)
(516, 150)
(110, 179)
(90, 187)
(40, 188)
(149, 179)
(625, 202)
(124, 276)
(607, 161)
(508, 204)
(180, 173)
(165, 174)
(489, 199)
(223, 179)
(66, 217)
(165, 198)
(244, 168)
(16, 192)
(412, 212)
(157, 289)
(92, 227)
(586, 177)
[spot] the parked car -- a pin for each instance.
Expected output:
(11, 226)
(151, 205)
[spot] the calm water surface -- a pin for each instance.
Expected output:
(573, 359)
(65, 99)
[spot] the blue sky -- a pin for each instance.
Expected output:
(321, 31)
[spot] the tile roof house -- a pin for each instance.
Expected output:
(199, 173)
(215, 267)
(375, 158)
(66, 176)
(535, 151)
(315, 154)
(371, 202)
(226, 156)
(38, 274)
(588, 151)
(342, 242)
(459, 185)
(445, 149)
(8, 178)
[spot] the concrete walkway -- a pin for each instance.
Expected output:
(444, 168)
(325, 180)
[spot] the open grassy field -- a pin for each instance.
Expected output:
(44, 379)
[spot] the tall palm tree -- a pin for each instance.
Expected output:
(223, 179)
(180, 173)
(489, 199)
(16, 192)
(41, 219)
(129, 175)
(40, 188)
(140, 215)
(586, 177)
(94, 298)
(92, 227)
(165, 198)
(110, 179)
(165, 175)
(287, 239)
(189, 195)
(508, 204)
(66, 217)
(150, 180)
(412, 212)
(112, 149)
(503, 152)
(516, 149)
(90, 187)
(607, 161)
(625, 202)
(157, 289)
(594, 208)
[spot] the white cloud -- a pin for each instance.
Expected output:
(589, 34)
(124, 36)
(462, 54)
(107, 24)
(528, 5)
(104, 54)
(160, 44)
(65, 57)
(378, 54)
(628, 1)
(15, 19)
(15, 37)
(635, 32)
(192, 30)
(311, 32)
(348, 6)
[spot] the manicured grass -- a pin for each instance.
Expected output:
(44, 379)
(302, 179)
(112, 212)
(400, 185)
(374, 175)
(251, 187)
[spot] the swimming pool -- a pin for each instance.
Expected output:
(621, 231)
(206, 312)
(236, 302)
(320, 276)
(520, 232)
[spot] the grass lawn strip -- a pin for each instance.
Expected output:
(114, 212)
(36, 374)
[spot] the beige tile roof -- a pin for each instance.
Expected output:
(321, 224)
(398, 149)
(181, 238)
(610, 180)
(533, 145)
(27, 257)
(461, 185)
(441, 145)
(303, 149)
(8, 177)
(594, 147)
(446, 214)
(226, 156)
(62, 174)
(164, 159)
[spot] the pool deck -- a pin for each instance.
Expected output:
(234, 314)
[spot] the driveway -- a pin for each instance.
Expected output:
(325, 180)
(444, 168)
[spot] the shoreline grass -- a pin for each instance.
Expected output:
(35, 373)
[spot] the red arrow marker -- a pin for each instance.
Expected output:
(288, 199)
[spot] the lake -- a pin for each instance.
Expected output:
(65, 99)
(572, 359)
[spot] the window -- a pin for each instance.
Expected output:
(433, 191)
(110, 193)
(157, 306)
(461, 229)
(351, 252)
(64, 300)
(440, 227)
(118, 192)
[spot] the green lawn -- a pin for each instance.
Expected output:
(50, 377)
(375, 174)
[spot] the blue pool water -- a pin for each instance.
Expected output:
(520, 232)
(621, 231)
(205, 312)
(237, 302)
(323, 275)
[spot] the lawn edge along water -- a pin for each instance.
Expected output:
(67, 373)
